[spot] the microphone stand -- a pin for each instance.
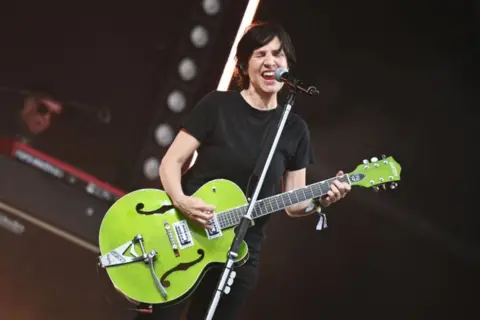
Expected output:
(246, 220)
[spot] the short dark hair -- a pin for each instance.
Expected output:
(256, 36)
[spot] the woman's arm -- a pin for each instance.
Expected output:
(170, 171)
(295, 180)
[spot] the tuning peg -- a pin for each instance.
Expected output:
(393, 185)
(376, 189)
(374, 159)
(384, 187)
(365, 161)
(384, 156)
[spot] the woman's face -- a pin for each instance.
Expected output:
(262, 65)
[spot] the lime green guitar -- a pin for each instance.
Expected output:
(153, 254)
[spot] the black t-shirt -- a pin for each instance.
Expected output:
(231, 133)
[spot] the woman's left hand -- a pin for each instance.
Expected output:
(338, 190)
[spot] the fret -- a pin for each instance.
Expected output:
(281, 200)
(254, 211)
(273, 204)
(300, 195)
(238, 215)
(295, 193)
(257, 210)
(279, 197)
(267, 201)
(262, 207)
(288, 196)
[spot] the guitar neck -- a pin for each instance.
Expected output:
(278, 202)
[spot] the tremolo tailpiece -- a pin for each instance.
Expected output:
(116, 257)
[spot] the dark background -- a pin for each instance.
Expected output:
(396, 77)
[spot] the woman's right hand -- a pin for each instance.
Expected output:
(196, 210)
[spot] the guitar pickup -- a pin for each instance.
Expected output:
(171, 238)
(116, 257)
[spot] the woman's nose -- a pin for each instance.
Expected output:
(269, 62)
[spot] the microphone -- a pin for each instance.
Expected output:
(282, 75)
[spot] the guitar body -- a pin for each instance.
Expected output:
(150, 213)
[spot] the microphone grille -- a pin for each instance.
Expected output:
(279, 73)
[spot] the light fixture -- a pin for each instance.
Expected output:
(187, 69)
(164, 134)
(150, 168)
(199, 36)
(176, 101)
(211, 7)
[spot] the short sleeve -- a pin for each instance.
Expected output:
(201, 120)
(303, 154)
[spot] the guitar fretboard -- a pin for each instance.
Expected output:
(232, 217)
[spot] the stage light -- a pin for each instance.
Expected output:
(164, 134)
(199, 36)
(150, 168)
(176, 101)
(186, 76)
(211, 7)
(187, 69)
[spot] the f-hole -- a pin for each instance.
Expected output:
(164, 208)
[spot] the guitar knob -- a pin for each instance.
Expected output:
(374, 159)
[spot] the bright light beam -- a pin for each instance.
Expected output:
(227, 73)
(247, 19)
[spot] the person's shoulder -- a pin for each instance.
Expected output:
(210, 100)
(222, 95)
(226, 100)
(297, 122)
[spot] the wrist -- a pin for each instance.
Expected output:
(177, 199)
(318, 204)
(313, 206)
(323, 202)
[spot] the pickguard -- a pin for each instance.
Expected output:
(164, 208)
(181, 267)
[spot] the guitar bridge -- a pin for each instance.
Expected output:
(116, 257)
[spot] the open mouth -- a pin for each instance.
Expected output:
(268, 75)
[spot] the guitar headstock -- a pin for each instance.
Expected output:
(383, 172)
